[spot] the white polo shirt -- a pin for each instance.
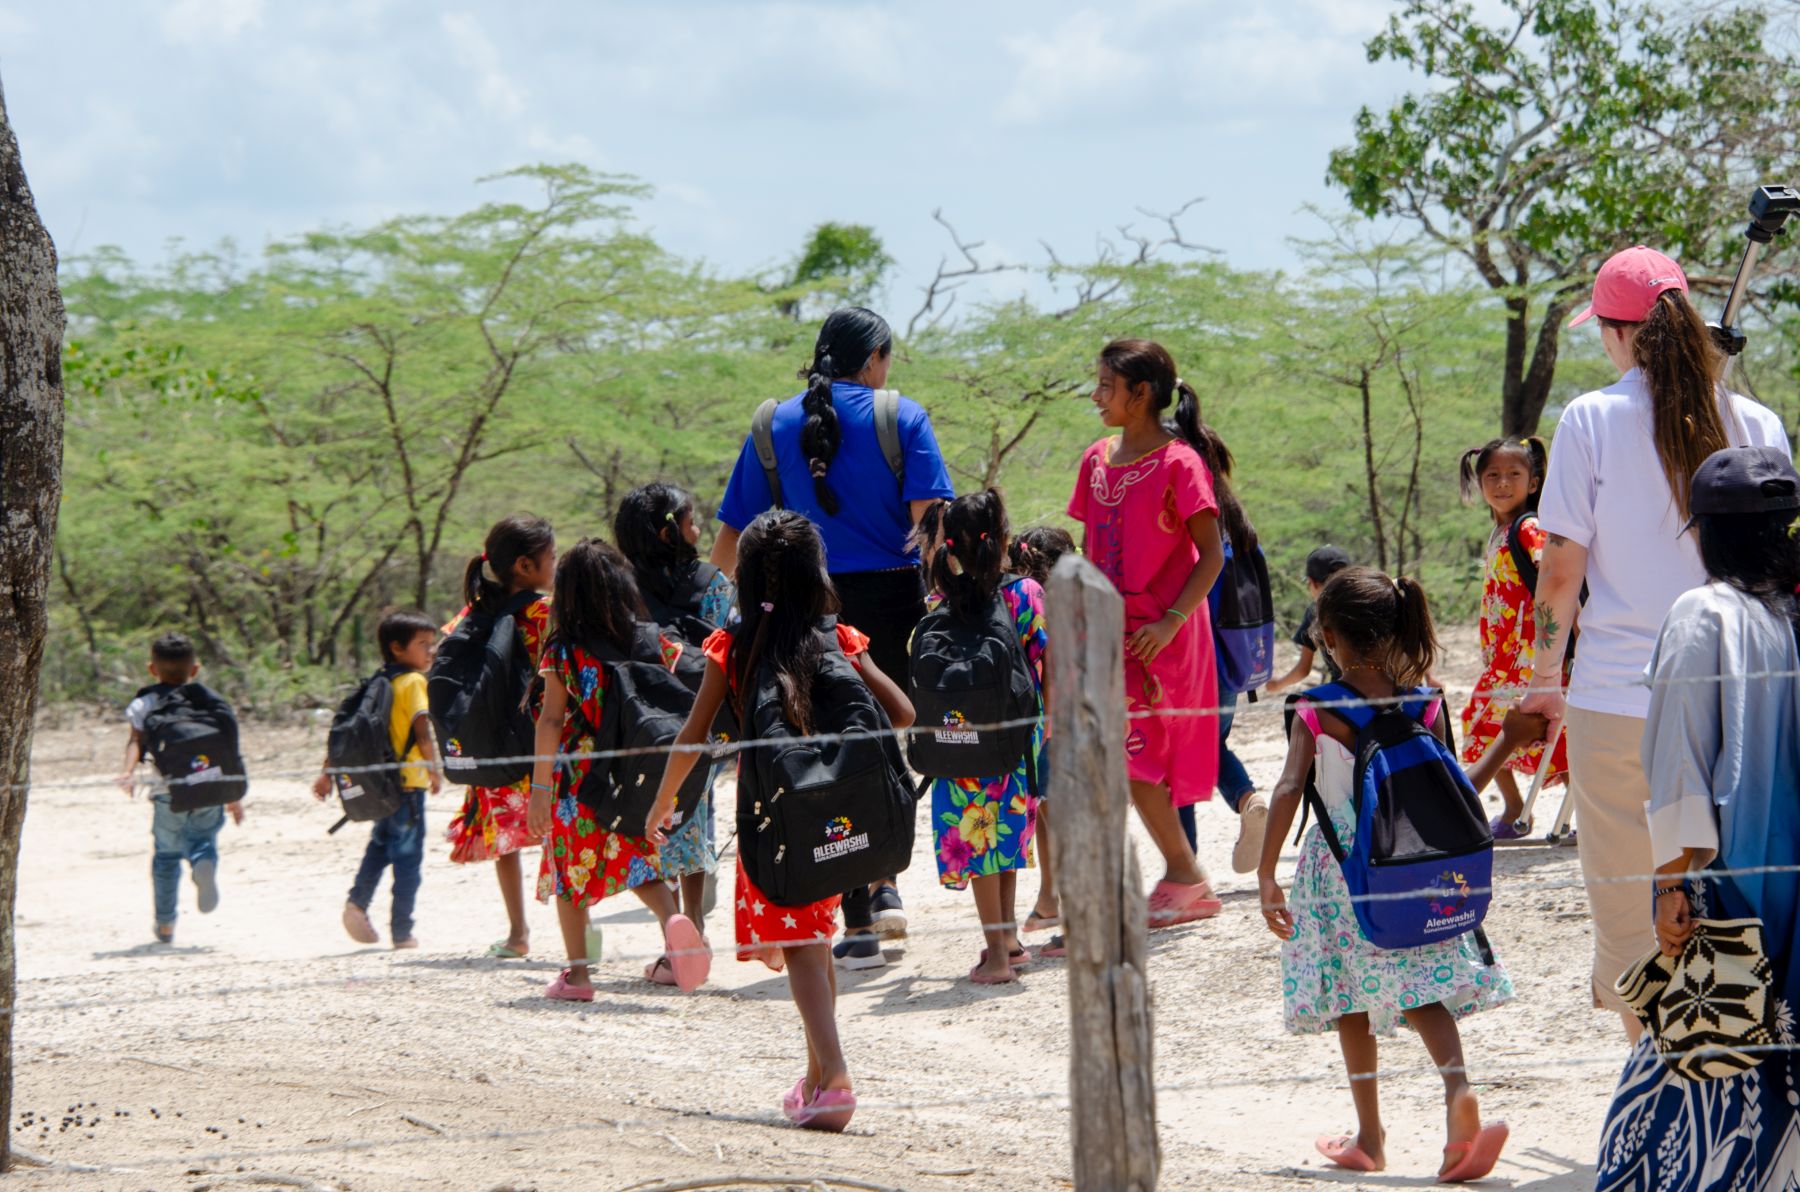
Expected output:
(1606, 491)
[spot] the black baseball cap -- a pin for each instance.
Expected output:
(1744, 480)
(1325, 562)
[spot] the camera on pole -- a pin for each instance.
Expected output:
(1770, 207)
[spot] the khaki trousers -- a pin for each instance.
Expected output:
(1610, 789)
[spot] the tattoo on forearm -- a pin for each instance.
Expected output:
(1547, 626)
(1557, 540)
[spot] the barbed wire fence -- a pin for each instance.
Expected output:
(1111, 1090)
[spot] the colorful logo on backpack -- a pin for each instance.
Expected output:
(956, 730)
(1452, 890)
(200, 762)
(838, 840)
(201, 769)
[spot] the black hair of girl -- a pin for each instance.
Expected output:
(1146, 362)
(487, 576)
(1755, 553)
(971, 553)
(595, 598)
(647, 528)
(1386, 621)
(783, 592)
(847, 339)
(1476, 459)
(1035, 551)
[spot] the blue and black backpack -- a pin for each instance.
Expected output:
(1421, 868)
(1242, 605)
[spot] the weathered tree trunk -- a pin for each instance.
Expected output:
(1525, 386)
(1112, 1071)
(31, 408)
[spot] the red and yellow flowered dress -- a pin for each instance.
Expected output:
(583, 862)
(1136, 516)
(492, 821)
(763, 927)
(1508, 631)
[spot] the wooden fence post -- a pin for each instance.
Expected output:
(1112, 1079)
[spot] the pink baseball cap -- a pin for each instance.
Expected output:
(1628, 284)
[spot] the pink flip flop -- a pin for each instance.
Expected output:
(1056, 949)
(660, 971)
(1018, 959)
(560, 990)
(829, 1109)
(687, 952)
(1478, 1156)
(976, 976)
(1171, 904)
(1342, 1150)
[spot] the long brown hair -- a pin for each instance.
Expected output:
(1387, 621)
(1682, 368)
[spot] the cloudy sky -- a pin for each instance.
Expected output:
(146, 120)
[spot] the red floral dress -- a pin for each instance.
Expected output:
(583, 862)
(1508, 631)
(492, 821)
(762, 927)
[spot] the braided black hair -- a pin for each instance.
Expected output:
(847, 339)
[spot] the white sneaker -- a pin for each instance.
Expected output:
(1253, 825)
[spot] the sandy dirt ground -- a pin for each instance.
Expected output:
(266, 1042)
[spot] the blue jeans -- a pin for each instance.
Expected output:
(399, 841)
(192, 835)
(1234, 781)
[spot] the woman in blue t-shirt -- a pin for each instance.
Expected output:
(832, 467)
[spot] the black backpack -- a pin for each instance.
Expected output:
(479, 690)
(645, 707)
(1528, 575)
(191, 733)
(359, 740)
(678, 611)
(817, 818)
(966, 675)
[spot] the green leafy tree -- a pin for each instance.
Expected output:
(843, 264)
(1563, 131)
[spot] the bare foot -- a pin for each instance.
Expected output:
(1462, 1122)
(996, 966)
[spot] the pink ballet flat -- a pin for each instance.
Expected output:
(560, 990)
(829, 1109)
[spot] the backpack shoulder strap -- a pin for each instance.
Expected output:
(887, 430)
(1314, 803)
(1521, 554)
(762, 437)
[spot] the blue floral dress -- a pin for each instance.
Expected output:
(985, 826)
(583, 862)
(1330, 969)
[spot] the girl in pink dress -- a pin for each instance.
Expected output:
(1151, 524)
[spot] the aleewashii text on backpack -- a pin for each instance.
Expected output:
(645, 707)
(191, 734)
(967, 676)
(479, 690)
(361, 743)
(1420, 865)
(1243, 620)
(816, 818)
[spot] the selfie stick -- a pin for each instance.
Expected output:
(1770, 207)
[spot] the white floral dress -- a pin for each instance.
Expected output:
(1330, 969)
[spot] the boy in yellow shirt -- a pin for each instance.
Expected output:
(408, 640)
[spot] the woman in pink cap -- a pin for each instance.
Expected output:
(1615, 505)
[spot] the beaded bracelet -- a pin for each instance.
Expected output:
(1661, 890)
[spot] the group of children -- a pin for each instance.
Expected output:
(763, 652)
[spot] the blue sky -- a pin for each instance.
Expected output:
(197, 119)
